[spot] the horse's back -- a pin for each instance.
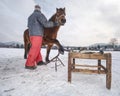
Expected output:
(26, 32)
(50, 33)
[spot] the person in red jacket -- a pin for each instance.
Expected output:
(36, 24)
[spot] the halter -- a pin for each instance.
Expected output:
(58, 18)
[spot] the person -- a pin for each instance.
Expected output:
(36, 24)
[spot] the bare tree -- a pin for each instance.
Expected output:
(113, 42)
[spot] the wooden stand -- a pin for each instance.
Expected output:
(56, 59)
(100, 68)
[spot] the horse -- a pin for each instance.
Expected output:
(50, 34)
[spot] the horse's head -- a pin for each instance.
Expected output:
(60, 16)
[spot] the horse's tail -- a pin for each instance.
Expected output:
(27, 43)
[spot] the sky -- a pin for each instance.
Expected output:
(88, 21)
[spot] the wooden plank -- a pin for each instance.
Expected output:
(84, 65)
(88, 71)
(88, 56)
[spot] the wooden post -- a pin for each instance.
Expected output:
(73, 67)
(99, 65)
(108, 74)
(69, 68)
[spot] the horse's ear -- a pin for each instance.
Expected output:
(64, 8)
(56, 9)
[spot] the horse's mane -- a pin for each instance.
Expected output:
(52, 18)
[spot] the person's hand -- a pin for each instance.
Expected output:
(56, 24)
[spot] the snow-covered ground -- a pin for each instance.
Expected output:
(15, 80)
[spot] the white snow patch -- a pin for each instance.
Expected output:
(15, 80)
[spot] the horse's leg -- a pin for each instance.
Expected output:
(27, 43)
(26, 48)
(60, 47)
(48, 52)
(25, 51)
(55, 41)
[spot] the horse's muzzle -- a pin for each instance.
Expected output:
(63, 21)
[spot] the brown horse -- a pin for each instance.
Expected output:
(50, 34)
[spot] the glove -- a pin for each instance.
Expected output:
(56, 24)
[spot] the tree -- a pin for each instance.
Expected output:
(17, 46)
(113, 42)
(98, 47)
(22, 46)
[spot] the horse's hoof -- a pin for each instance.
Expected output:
(61, 52)
(47, 60)
(25, 57)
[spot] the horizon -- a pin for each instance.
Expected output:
(94, 44)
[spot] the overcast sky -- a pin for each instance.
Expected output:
(88, 21)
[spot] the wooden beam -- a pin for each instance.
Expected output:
(88, 56)
(84, 65)
(88, 71)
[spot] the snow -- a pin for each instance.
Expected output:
(15, 80)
